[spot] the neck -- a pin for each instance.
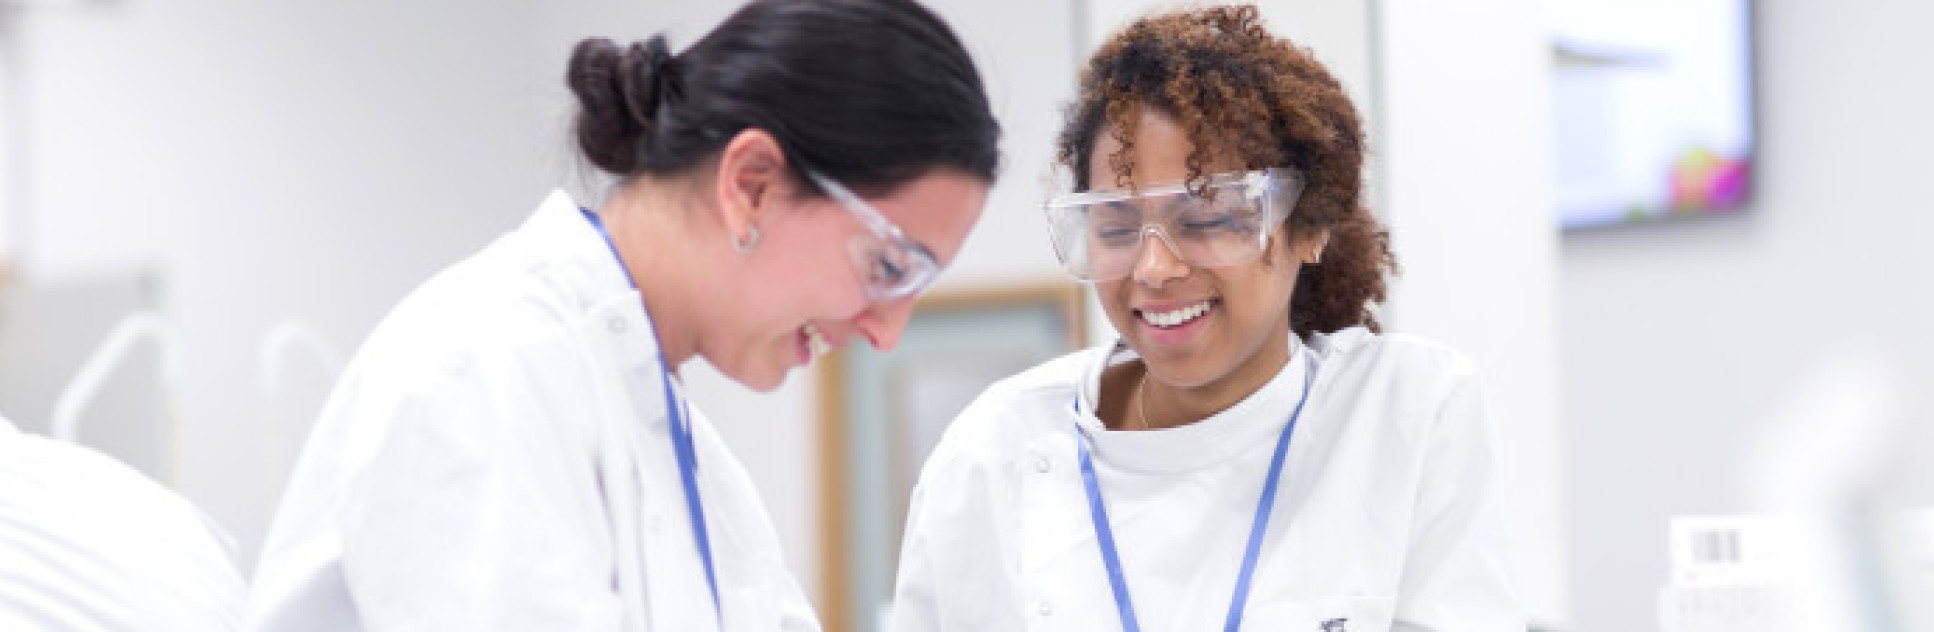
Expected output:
(653, 232)
(1168, 405)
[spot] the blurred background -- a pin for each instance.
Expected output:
(206, 204)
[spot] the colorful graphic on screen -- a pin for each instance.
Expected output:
(1653, 106)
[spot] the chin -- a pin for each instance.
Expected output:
(1184, 377)
(1186, 370)
(765, 382)
(761, 378)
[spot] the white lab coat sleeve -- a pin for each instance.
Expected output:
(458, 522)
(954, 559)
(1455, 578)
(741, 515)
(916, 602)
(796, 612)
(795, 609)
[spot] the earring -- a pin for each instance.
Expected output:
(751, 241)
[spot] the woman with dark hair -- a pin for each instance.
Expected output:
(512, 450)
(1253, 453)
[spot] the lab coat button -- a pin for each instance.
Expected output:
(1041, 464)
(617, 324)
(1045, 609)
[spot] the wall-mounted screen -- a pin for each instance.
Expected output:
(1653, 106)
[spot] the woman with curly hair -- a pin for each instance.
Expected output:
(1253, 452)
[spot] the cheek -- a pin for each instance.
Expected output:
(1269, 290)
(1113, 297)
(798, 293)
(810, 266)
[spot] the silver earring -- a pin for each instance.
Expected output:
(751, 241)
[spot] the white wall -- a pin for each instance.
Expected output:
(1682, 341)
(268, 160)
(1465, 149)
(12, 121)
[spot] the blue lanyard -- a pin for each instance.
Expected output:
(1106, 535)
(681, 436)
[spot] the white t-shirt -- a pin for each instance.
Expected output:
(1387, 515)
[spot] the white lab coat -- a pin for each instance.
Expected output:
(496, 458)
(88, 544)
(1387, 516)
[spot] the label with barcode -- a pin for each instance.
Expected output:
(1707, 549)
(1715, 546)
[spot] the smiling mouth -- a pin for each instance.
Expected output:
(1177, 317)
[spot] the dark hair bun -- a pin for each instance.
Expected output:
(872, 93)
(619, 93)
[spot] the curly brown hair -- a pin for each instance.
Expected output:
(1244, 94)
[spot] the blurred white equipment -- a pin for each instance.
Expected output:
(1731, 574)
(51, 330)
(288, 337)
(87, 543)
(112, 352)
(1841, 545)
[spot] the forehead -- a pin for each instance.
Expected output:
(1160, 154)
(937, 210)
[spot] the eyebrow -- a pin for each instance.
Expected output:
(1126, 206)
(1178, 202)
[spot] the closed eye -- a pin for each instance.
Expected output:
(888, 271)
(1218, 222)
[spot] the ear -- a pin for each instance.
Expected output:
(1310, 246)
(750, 178)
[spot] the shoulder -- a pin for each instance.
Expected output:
(485, 348)
(1055, 381)
(1391, 382)
(1392, 359)
(498, 307)
(1012, 410)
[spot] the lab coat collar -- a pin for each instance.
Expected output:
(1246, 425)
(575, 248)
(590, 278)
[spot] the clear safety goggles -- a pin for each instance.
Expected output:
(891, 266)
(1098, 235)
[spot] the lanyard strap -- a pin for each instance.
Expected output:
(1106, 536)
(681, 437)
(681, 433)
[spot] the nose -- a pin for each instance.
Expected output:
(882, 324)
(1158, 262)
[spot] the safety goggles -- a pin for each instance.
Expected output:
(891, 266)
(1098, 235)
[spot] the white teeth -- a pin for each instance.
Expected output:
(816, 342)
(1177, 317)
